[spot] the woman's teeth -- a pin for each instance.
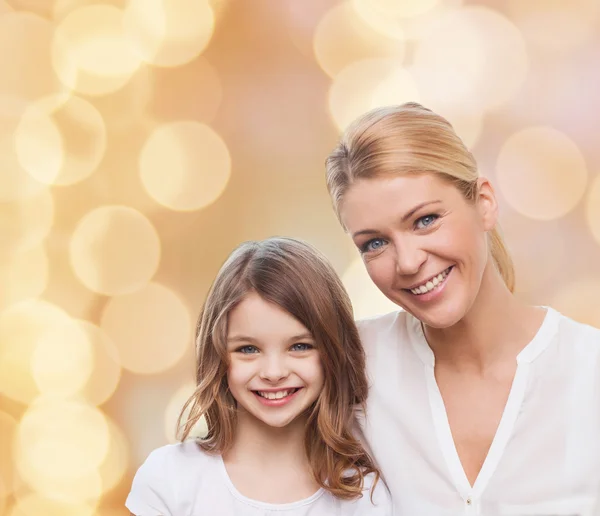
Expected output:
(431, 284)
(276, 395)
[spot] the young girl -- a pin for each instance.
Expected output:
(280, 373)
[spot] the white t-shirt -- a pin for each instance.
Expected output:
(545, 456)
(183, 480)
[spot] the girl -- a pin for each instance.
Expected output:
(493, 406)
(280, 371)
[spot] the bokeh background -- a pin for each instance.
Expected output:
(141, 140)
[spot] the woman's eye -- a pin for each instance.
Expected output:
(247, 350)
(426, 221)
(301, 346)
(372, 245)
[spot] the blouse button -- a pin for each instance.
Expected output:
(469, 501)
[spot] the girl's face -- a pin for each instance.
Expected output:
(275, 370)
(424, 245)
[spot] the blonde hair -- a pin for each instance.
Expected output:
(409, 139)
(300, 280)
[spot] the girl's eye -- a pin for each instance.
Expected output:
(247, 350)
(372, 245)
(426, 221)
(301, 346)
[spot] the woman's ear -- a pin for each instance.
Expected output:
(487, 204)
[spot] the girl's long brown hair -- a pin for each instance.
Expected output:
(299, 279)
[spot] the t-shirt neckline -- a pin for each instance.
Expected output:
(265, 505)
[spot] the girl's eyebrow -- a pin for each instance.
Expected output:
(244, 338)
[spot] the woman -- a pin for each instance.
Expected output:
(479, 403)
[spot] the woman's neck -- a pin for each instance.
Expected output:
(496, 328)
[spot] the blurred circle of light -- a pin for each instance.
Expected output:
(62, 360)
(389, 17)
(593, 209)
(366, 298)
(54, 442)
(8, 427)
(22, 327)
(342, 37)
(114, 250)
(25, 224)
(174, 409)
(151, 328)
(555, 24)
(25, 41)
(169, 32)
(579, 300)
(474, 56)
(115, 464)
(35, 504)
(61, 141)
(91, 40)
(15, 183)
(541, 173)
(198, 162)
(357, 87)
(23, 276)
(106, 374)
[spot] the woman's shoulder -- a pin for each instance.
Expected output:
(579, 334)
(395, 325)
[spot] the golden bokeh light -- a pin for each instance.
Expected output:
(63, 360)
(392, 18)
(342, 37)
(473, 56)
(364, 85)
(174, 408)
(8, 479)
(197, 161)
(541, 173)
(15, 183)
(556, 25)
(106, 375)
(579, 300)
(115, 464)
(23, 275)
(52, 447)
(36, 504)
(169, 32)
(114, 250)
(5, 7)
(25, 224)
(91, 41)
(366, 298)
(22, 327)
(593, 208)
(61, 140)
(27, 72)
(151, 328)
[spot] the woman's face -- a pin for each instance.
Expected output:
(424, 245)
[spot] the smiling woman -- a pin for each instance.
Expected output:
(280, 372)
(492, 405)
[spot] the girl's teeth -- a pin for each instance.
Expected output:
(275, 395)
(431, 284)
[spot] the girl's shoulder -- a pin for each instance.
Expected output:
(161, 482)
(375, 499)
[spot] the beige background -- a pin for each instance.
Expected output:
(141, 141)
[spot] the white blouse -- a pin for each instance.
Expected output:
(183, 480)
(545, 456)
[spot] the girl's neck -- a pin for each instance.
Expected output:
(496, 328)
(263, 445)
